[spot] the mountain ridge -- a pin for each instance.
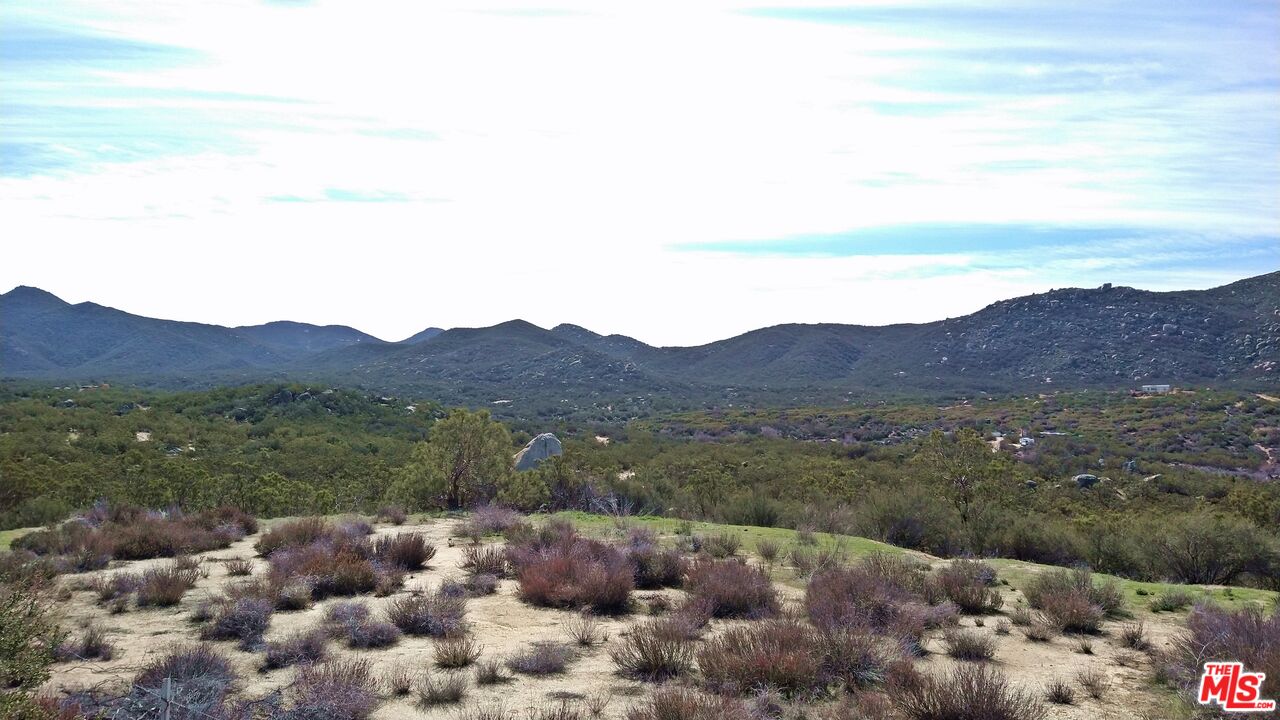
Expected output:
(1065, 338)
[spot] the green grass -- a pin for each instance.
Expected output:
(1018, 573)
(8, 536)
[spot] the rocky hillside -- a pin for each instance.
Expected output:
(1105, 337)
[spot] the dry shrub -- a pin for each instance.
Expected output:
(1250, 635)
(489, 672)
(200, 679)
(297, 649)
(393, 514)
(968, 645)
(729, 588)
(490, 520)
(574, 572)
(722, 545)
(294, 533)
(679, 703)
(655, 567)
(1172, 601)
(1042, 629)
(162, 537)
(330, 569)
(1022, 617)
(1059, 692)
(117, 585)
(975, 692)
(883, 595)
(431, 614)
(91, 645)
(968, 584)
(654, 650)
(1134, 637)
(1072, 599)
(778, 654)
(584, 630)
(480, 585)
(768, 550)
(398, 680)
(244, 620)
(239, 567)
(408, 551)
(164, 587)
(563, 711)
(1004, 627)
(436, 690)
(455, 653)
(372, 634)
(1094, 682)
(335, 690)
(485, 560)
(542, 658)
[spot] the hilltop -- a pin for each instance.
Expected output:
(1108, 337)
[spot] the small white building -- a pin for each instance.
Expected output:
(1156, 389)
(1026, 441)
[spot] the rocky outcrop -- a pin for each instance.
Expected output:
(540, 448)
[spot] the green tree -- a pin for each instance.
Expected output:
(463, 461)
(963, 464)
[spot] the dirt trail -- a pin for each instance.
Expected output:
(503, 624)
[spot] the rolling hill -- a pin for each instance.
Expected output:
(1108, 337)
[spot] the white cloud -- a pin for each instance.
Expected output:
(542, 166)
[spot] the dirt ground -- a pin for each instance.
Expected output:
(502, 624)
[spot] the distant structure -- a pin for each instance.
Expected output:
(540, 448)
(1026, 441)
(1156, 389)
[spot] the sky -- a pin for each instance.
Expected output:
(675, 171)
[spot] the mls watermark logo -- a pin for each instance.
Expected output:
(1233, 688)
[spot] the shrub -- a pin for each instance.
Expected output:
(393, 514)
(968, 584)
(408, 551)
(1059, 692)
(1134, 637)
(1084, 645)
(729, 588)
(1004, 627)
(1042, 629)
(1249, 635)
(653, 651)
(1094, 682)
(678, 703)
(372, 634)
(966, 645)
(352, 620)
(584, 630)
(484, 560)
(1022, 617)
(239, 567)
(434, 690)
(164, 587)
(575, 573)
(768, 551)
(245, 620)
(541, 658)
(336, 690)
(722, 545)
(91, 645)
(975, 692)
(1172, 601)
(1072, 599)
(657, 568)
(480, 585)
(329, 570)
(490, 520)
(200, 679)
(489, 672)
(149, 538)
(777, 654)
(227, 516)
(398, 680)
(431, 614)
(1204, 549)
(117, 585)
(297, 649)
(455, 653)
(295, 533)
(881, 595)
